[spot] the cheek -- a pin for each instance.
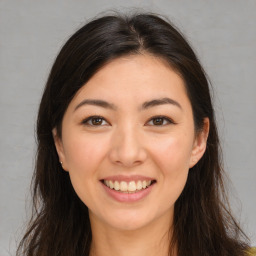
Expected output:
(172, 157)
(84, 153)
(172, 154)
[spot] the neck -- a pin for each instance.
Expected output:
(151, 240)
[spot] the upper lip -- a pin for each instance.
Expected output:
(128, 178)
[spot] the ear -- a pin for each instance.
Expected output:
(59, 147)
(200, 143)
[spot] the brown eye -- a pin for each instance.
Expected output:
(97, 121)
(160, 121)
(94, 121)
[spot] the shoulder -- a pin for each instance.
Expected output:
(251, 251)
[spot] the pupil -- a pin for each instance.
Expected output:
(97, 121)
(158, 121)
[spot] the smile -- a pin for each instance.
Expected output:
(128, 187)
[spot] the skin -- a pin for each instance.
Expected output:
(127, 141)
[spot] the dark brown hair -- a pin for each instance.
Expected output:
(203, 224)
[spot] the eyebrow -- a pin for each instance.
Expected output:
(95, 102)
(145, 105)
(157, 102)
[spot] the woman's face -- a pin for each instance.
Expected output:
(128, 142)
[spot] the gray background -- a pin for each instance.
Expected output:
(223, 33)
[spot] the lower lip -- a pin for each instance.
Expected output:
(128, 197)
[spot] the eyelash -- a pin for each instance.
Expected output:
(90, 118)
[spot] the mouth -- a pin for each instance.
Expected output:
(128, 187)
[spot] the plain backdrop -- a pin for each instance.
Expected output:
(223, 34)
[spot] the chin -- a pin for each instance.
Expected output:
(129, 224)
(125, 219)
(128, 220)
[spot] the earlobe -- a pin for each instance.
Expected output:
(59, 147)
(200, 143)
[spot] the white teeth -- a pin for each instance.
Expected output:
(129, 187)
(116, 185)
(111, 184)
(139, 185)
(123, 186)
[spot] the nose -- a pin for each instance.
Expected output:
(127, 147)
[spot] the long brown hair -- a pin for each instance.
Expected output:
(203, 224)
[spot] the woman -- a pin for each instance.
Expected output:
(128, 159)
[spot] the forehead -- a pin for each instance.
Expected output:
(132, 79)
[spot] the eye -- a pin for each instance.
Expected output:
(94, 121)
(160, 121)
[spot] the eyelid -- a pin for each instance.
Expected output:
(86, 120)
(169, 120)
